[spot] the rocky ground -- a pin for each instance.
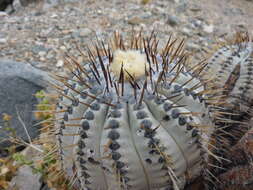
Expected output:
(40, 33)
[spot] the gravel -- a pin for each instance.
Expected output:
(35, 34)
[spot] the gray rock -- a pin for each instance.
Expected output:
(26, 179)
(173, 20)
(18, 83)
(4, 4)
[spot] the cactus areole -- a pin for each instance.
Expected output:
(132, 117)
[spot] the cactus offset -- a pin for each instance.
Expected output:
(238, 174)
(231, 67)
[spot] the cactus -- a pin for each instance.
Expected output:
(133, 117)
(231, 67)
(238, 174)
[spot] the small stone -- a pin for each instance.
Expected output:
(135, 20)
(173, 20)
(42, 59)
(3, 14)
(50, 55)
(195, 8)
(65, 32)
(196, 23)
(192, 47)
(186, 31)
(38, 48)
(4, 170)
(3, 41)
(42, 53)
(182, 7)
(20, 180)
(59, 63)
(84, 32)
(208, 28)
(54, 15)
(63, 48)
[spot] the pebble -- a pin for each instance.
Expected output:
(3, 14)
(195, 8)
(50, 55)
(135, 20)
(196, 23)
(181, 8)
(186, 31)
(84, 32)
(3, 40)
(20, 180)
(59, 63)
(63, 48)
(38, 48)
(42, 53)
(192, 46)
(173, 20)
(54, 15)
(208, 28)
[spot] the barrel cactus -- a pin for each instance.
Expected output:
(133, 117)
(238, 174)
(231, 67)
